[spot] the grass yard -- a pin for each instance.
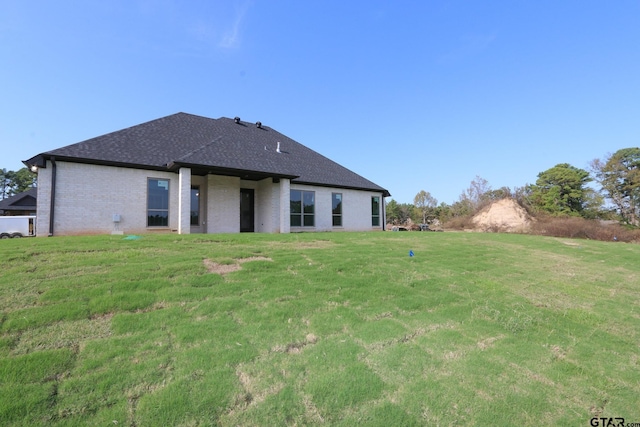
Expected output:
(332, 328)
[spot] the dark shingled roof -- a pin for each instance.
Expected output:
(219, 146)
(25, 201)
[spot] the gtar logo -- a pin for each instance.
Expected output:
(607, 422)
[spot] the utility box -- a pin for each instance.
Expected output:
(116, 224)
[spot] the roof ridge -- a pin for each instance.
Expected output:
(190, 153)
(209, 144)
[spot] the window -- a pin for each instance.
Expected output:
(336, 209)
(302, 207)
(195, 205)
(157, 202)
(375, 211)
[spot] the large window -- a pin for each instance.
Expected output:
(195, 205)
(336, 209)
(303, 206)
(375, 211)
(157, 202)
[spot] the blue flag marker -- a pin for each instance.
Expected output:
(410, 253)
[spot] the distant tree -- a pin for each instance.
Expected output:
(24, 180)
(462, 207)
(4, 183)
(476, 194)
(593, 206)
(393, 212)
(407, 212)
(425, 204)
(12, 182)
(443, 212)
(619, 178)
(499, 194)
(398, 213)
(561, 190)
(523, 196)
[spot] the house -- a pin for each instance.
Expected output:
(19, 204)
(191, 174)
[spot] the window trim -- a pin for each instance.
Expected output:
(334, 215)
(375, 217)
(302, 214)
(167, 210)
(197, 216)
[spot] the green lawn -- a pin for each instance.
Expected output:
(334, 328)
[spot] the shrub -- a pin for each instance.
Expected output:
(574, 227)
(460, 223)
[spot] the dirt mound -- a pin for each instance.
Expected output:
(503, 215)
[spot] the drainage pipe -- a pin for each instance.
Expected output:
(53, 195)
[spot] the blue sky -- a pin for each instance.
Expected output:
(413, 95)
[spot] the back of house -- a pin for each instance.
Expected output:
(191, 174)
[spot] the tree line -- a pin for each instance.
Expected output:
(14, 182)
(562, 190)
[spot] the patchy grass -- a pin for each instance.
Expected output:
(340, 329)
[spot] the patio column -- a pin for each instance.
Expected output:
(285, 205)
(184, 201)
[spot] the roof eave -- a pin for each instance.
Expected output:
(40, 161)
(203, 169)
(385, 193)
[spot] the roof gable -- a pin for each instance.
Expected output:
(21, 201)
(222, 146)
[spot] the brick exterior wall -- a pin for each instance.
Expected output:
(356, 209)
(43, 200)
(87, 197)
(223, 204)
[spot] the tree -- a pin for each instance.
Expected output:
(393, 212)
(5, 182)
(409, 212)
(499, 194)
(463, 207)
(619, 178)
(593, 206)
(12, 182)
(24, 179)
(398, 213)
(561, 190)
(425, 204)
(472, 197)
(443, 212)
(522, 195)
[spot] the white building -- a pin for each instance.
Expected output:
(191, 174)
